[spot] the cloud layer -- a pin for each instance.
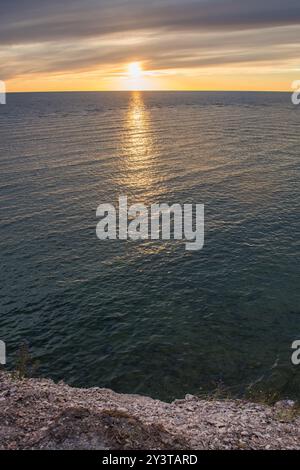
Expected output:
(41, 37)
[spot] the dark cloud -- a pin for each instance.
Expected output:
(35, 21)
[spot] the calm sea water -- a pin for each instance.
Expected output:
(150, 317)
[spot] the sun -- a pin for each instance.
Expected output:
(135, 78)
(135, 70)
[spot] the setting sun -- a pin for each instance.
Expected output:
(136, 78)
(135, 70)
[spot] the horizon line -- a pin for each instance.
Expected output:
(151, 91)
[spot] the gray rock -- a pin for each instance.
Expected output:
(39, 414)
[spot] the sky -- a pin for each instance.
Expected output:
(149, 44)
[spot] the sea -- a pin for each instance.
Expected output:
(149, 316)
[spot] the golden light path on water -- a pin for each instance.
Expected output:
(138, 147)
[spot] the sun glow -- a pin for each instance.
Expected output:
(136, 78)
(135, 70)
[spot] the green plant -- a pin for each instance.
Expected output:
(25, 365)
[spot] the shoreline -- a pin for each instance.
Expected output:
(39, 414)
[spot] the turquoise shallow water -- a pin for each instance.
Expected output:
(150, 317)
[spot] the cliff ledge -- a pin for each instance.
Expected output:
(39, 414)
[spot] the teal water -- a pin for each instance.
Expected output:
(150, 317)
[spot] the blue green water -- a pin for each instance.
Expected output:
(149, 316)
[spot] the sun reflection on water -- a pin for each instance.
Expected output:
(138, 170)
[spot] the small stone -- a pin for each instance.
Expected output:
(285, 404)
(189, 397)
